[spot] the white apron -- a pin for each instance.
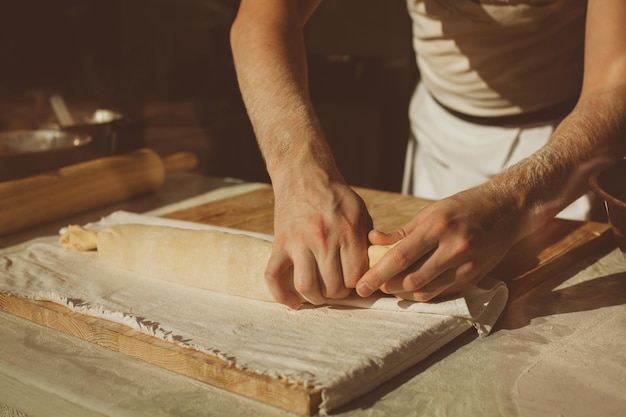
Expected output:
(447, 154)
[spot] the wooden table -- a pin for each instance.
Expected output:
(576, 317)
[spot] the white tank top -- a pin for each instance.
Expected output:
(499, 57)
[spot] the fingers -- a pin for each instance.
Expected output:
(320, 244)
(412, 278)
(330, 275)
(453, 280)
(388, 240)
(279, 279)
(354, 263)
(292, 279)
(305, 279)
(400, 258)
(316, 281)
(446, 247)
(377, 237)
(447, 284)
(429, 291)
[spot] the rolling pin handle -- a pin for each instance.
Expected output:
(180, 161)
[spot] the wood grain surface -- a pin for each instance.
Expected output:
(540, 256)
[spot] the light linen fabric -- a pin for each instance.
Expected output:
(345, 351)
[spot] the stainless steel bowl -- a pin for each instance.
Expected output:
(610, 186)
(26, 141)
(102, 125)
(30, 152)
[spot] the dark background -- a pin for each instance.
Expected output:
(167, 66)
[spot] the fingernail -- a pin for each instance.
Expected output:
(295, 303)
(364, 289)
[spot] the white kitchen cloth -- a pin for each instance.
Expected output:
(481, 305)
(343, 350)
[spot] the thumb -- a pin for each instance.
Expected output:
(377, 237)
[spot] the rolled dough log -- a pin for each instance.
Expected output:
(208, 259)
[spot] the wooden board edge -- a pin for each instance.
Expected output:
(179, 359)
(596, 241)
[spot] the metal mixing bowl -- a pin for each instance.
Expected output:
(102, 125)
(30, 152)
(610, 185)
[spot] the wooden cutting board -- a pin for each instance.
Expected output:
(540, 256)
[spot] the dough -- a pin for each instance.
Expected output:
(223, 262)
(208, 259)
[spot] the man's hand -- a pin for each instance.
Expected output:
(320, 225)
(447, 247)
(455, 242)
(320, 246)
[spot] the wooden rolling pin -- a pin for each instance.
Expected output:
(76, 188)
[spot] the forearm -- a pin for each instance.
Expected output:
(593, 135)
(271, 68)
(320, 223)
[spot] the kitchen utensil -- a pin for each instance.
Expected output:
(29, 152)
(610, 184)
(61, 111)
(104, 126)
(76, 188)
